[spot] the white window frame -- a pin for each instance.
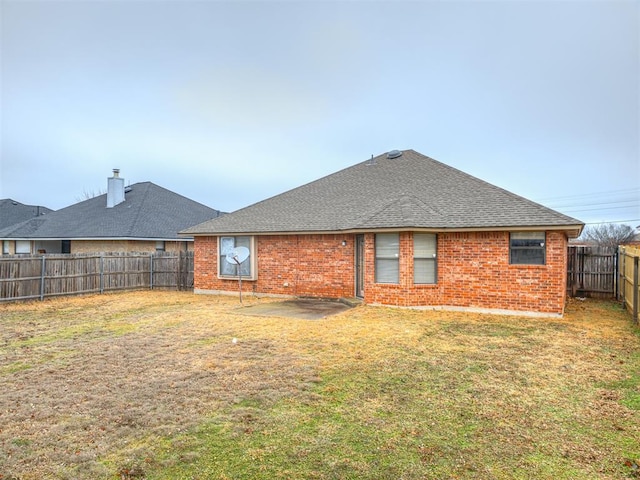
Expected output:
(252, 260)
(23, 247)
(160, 245)
(425, 255)
(386, 255)
(6, 247)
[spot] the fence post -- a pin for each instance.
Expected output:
(622, 265)
(179, 272)
(42, 271)
(151, 271)
(101, 273)
(617, 272)
(635, 289)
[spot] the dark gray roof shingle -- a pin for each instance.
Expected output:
(411, 191)
(12, 212)
(149, 212)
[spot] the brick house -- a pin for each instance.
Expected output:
(400, 229)
(142, 217)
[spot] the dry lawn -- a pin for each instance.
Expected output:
(174, 385)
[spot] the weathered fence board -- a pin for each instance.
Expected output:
(629, 293)
(29, 277)
(591, 272)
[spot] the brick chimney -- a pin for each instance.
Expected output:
(115, 189)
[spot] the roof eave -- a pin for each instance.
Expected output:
(572, 231)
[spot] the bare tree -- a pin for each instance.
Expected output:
(88, 194)
(608, 234)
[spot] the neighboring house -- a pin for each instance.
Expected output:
(142, 217)
(635, 240)
(12, 213)
(400, 229)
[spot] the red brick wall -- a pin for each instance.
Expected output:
(301, 265)
(473, 271)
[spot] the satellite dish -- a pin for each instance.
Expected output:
(237, 255)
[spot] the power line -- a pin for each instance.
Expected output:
(595, 209)
(625, 191)
(633, 220)
(633, 201)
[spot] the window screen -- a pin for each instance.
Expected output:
(387, 258)
(424, 258)
(527, 248)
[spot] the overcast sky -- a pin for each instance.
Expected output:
(228, 103)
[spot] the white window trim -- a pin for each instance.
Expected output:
(252, 259)
(22, 243)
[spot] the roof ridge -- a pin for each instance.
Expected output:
(140, 208)
(155, 185)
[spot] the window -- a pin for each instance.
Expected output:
(159, 246)
(230, 270)
(424, 258)
(23, 246)
(5, 247)
(65, 246)
(387, 258)
(527, 248)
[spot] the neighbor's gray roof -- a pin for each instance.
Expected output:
(12, 212)
(149, 212)
(411, 191)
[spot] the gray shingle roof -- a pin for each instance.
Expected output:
(411, 191)
(149, 212)
(12, 212)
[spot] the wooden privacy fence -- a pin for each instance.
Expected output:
(629, 293)
(591, 272)
(30, 277)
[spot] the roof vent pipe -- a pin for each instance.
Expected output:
(115, 189)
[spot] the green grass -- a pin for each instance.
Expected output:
(157, 390)
(406, 418)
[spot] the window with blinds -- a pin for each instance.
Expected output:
(424, 258)
(387, 258)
